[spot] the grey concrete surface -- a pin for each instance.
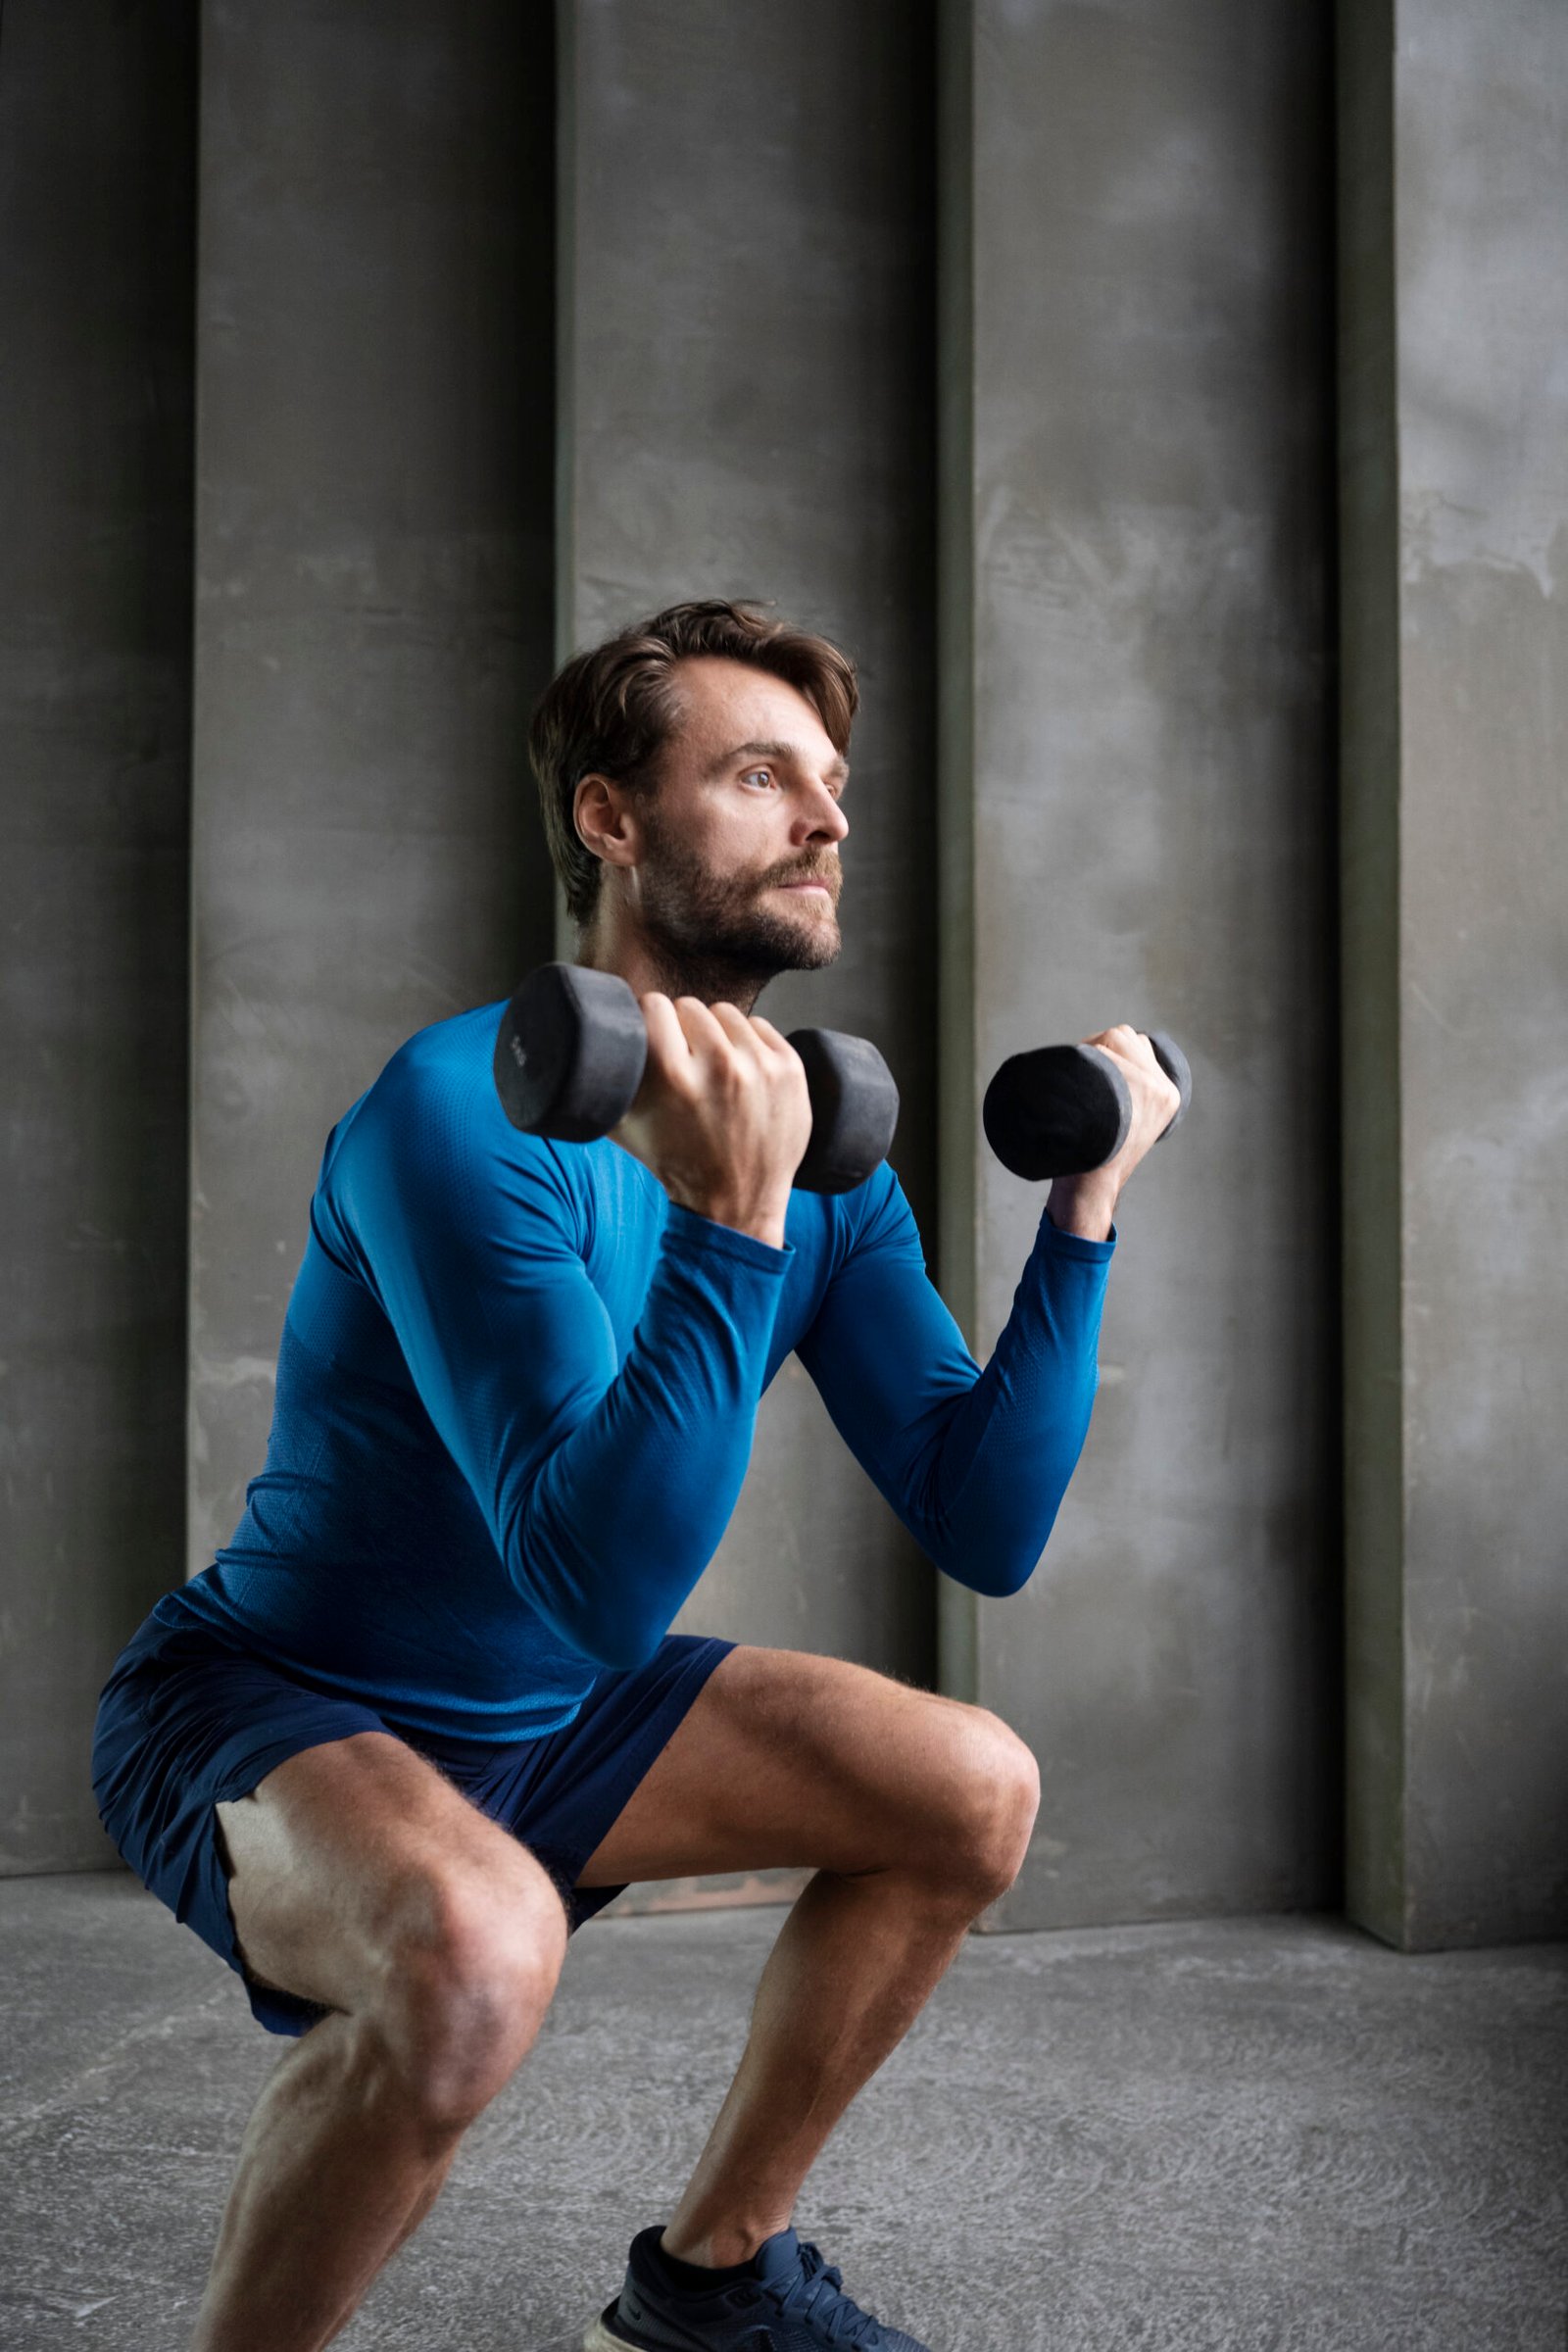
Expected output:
(1136, 818)
(1455, 495)
(747, 409)
(1138, 827)
(374, 611)
(97, 230)
(1214, 2137)
(1369, 886)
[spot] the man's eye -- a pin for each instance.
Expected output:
(753, 774)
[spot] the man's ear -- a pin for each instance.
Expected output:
(606, 820)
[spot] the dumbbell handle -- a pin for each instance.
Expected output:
(1061, 1110)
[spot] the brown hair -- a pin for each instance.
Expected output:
(612, 709)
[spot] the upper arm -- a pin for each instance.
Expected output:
(464, 1234)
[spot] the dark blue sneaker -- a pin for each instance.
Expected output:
(792, 2303)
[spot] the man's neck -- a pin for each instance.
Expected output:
(646, 965)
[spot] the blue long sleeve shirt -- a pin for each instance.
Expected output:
(516, 1392)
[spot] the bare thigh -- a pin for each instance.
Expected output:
(348, 1855)
(786, 1758)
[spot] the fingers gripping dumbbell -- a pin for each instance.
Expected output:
(1061, 1110)
(572, 1044)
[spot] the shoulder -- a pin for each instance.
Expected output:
(874, 1218)
(432, 1125)
(881, 1211)
(438, 1089)
(447, 1062)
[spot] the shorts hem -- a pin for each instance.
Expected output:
(708, 1652)
(185, 1728)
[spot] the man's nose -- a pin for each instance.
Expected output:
(821, 818)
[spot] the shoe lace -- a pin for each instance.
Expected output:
(817, 2294)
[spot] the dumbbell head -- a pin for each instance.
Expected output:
(1065, 1109)
(1173, 1062)
(1057, 1111)
(855, 1109)
(569, 1052)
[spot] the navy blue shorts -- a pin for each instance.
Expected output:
(188, 1720)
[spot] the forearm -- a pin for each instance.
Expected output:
(999, 1459)
(1084, 1204)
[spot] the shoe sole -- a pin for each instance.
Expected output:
(599, 2338)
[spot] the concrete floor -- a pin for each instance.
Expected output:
(1266, 2134)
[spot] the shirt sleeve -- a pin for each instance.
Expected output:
(606, 1483)
(974, 1462)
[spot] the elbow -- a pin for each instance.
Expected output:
(995, 1570)
(1017, 1546)
(600, 1624)
(594, 1612)
(1002, 1575)
(611, 1634)
(619, 1648)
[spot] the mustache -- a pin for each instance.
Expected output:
(826, 870)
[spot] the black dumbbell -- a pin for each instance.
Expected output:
(571, 1047)
(1065, 1109)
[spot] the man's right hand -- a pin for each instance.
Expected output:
(1087, 1204)
(722, 1116)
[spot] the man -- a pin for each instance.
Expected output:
(424, 1715)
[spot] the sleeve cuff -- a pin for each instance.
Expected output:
(1058, 1244)
(687, 1229)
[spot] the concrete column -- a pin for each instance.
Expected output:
(1138, 821)
(1453, 266)
(373, 608)
(97, 150)
(747, 410)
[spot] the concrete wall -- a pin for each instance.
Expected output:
(1138, 826)
(1120, 805)
(747, 410)
(97, 118)
(1454, 262)
(373, 608)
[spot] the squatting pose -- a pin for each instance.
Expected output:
(424, 1715)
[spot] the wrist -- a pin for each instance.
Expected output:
(1081, 1205)
(763, 1220)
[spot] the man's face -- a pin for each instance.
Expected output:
(741, 833)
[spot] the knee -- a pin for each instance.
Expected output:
(470, 1969)
(996, 1796)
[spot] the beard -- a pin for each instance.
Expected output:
(717, 936)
